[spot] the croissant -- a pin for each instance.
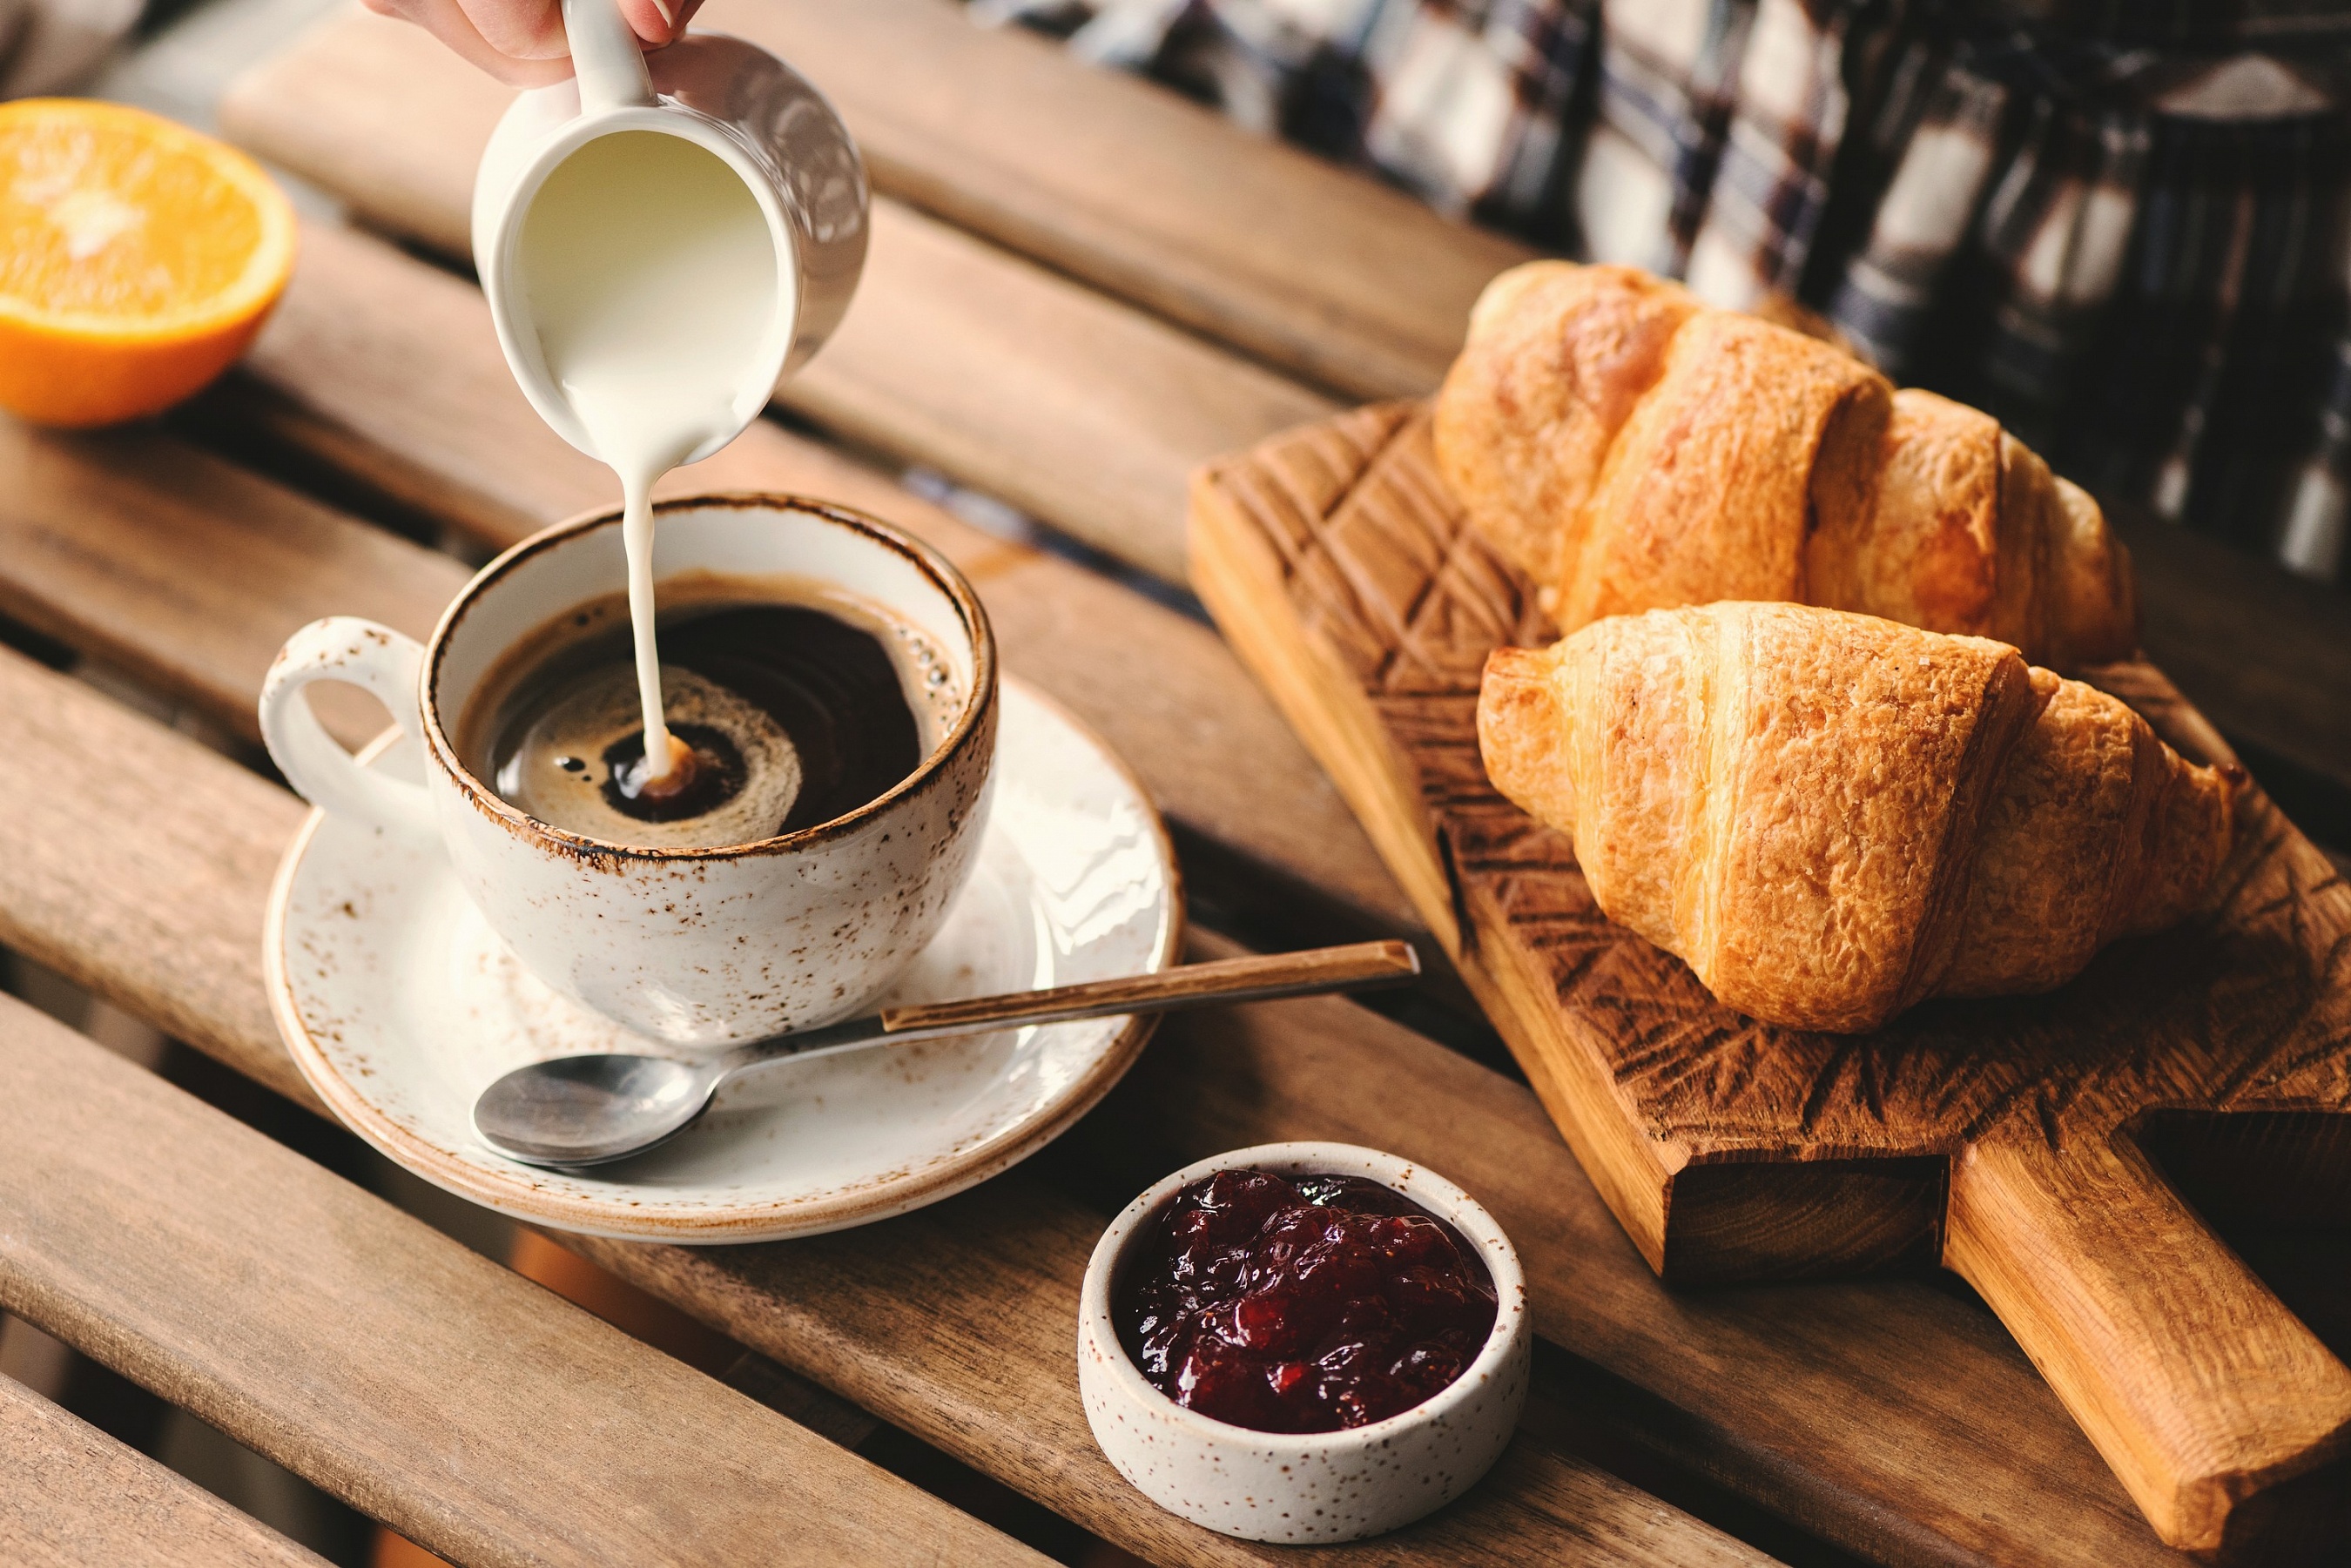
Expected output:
(1829, 816)
(1628, 448)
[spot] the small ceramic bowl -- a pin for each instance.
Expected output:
(1316, 1486)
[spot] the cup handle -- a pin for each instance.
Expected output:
(383, 662)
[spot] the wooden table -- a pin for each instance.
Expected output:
(1079, 289)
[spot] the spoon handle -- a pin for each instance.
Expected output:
(1364, 963)
(1226, 981)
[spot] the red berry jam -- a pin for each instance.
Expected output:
(1301, 1304)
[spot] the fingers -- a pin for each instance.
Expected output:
(519, 30)
(659, 22)
(447, 21)
(656, 21)
(533, 29)
(521, 42)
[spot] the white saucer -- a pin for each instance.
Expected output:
(401, 1005)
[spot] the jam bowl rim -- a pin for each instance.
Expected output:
(1097, 1319)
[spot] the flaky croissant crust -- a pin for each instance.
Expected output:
(1829, 816)
(1629, 448)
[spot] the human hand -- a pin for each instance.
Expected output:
(520, 42)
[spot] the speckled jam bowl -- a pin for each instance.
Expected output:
(1315, 1485)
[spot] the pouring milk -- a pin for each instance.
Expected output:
(654, 285)
(656, 261)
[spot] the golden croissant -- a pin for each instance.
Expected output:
(1829, 817)
(1628, 448)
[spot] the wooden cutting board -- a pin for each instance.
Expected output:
(2007, 1140)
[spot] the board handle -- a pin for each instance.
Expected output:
(2195, 1383)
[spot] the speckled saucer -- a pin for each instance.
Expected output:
(401, 1005)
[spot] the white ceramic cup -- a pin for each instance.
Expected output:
(699, 948)
(1315, 1485)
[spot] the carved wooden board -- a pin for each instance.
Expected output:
(2002, 1139)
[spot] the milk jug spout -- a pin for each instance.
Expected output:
(606, 58)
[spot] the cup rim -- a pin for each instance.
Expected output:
(1439, 1195)
(926, 559)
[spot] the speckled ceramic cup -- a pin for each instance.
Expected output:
(1319, 1486)
(699, 948)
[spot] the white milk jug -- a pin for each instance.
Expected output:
(662, 239)
(717, 96)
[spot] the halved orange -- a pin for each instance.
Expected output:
(138, 259)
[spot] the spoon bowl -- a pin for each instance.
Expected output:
(580, 1111)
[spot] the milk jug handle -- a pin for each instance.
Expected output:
(605, 57)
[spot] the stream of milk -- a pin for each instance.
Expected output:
(653, 283)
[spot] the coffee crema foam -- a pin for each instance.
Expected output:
(801, 702)
(562, 763)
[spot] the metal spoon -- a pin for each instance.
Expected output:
(577, 1110)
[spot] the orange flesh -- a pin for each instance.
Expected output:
(137, 259)
(94, 220)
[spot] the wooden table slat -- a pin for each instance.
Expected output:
(2265, 654)
(186, 571)
(1344, 280)
(479, 1415)
(960, 1327)
(959, 355)
(1072, 406)
(849, 1311)
(75, 1497)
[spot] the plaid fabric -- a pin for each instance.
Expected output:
(2182, 24)
(1883, 301)
(1469, 103)
(2318, 509)
(1474, 103)
(1668, 72)
(2119, 224)
(1772, 187)
(2217, 347)
(2048, 252)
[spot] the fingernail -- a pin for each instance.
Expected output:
(669, 17)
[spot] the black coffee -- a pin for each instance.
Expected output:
(795, 716)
